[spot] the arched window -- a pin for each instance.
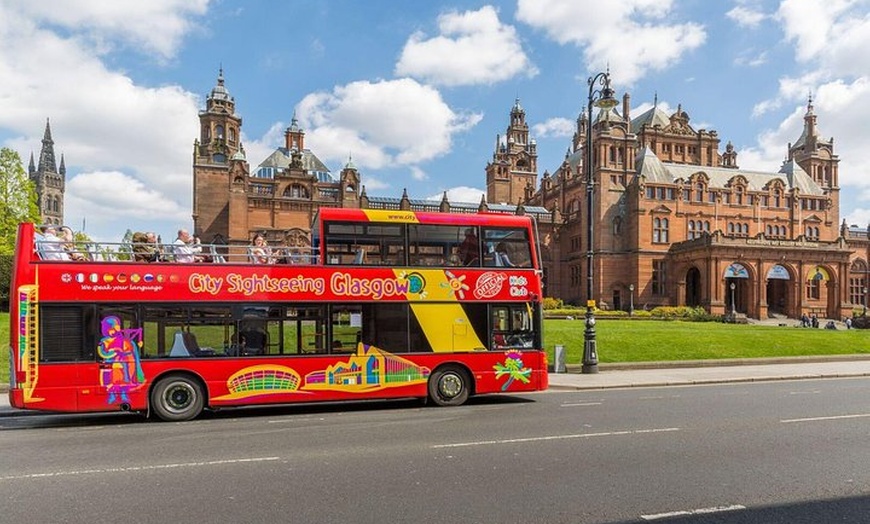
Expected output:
(617, 226)
(219, 132)
(777, 199)
(699, 193)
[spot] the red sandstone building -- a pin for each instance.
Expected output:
(678, 222)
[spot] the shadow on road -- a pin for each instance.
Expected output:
(44, 419)
(842, 510)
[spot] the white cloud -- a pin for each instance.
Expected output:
(750, 58)
(746, 16)
(829, 38)
(387, 123)
(155, 26)
(257, 150)
(654, 43)
(101, 119)
(830, 35)
(809, 24)
(373, 184)
(473, 47)
(460, 194)
(121, 202)
(418, 174)
(555, 127)
(841, 114)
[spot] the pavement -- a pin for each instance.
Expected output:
(711, 372)
(650, 374)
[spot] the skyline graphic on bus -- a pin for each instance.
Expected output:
(369, 369)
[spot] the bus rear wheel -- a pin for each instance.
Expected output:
(449, 386)
(176, 398)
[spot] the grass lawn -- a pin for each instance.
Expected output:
(654, 340)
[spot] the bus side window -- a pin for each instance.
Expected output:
(512, 327)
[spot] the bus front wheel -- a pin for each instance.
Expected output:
(176, 398)
(448, 386)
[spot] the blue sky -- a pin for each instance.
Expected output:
(415, 92)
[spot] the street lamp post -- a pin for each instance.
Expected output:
(631, 299)
(733, 310)
(865, 301)
(602, 98)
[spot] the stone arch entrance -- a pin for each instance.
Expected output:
(738, 291)
(821, 291)
(778, 291)
(693, 287)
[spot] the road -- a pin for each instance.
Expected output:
(766, 452)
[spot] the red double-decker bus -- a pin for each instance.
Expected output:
(390, 304)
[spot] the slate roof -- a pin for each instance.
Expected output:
(791, 174)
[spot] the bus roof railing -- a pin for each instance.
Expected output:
(52, 250)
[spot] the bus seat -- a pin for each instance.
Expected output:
(179, 348)
(255, 341)
(190, 342)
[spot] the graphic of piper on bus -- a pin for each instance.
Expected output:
(119, 348)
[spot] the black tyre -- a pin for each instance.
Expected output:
(449, 386)
(177, 398)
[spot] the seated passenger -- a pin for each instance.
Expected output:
(181, 247)
(469, 249)
(69, 245)
(50, 247)
(260, 251)
(501, 256)
(143, 251)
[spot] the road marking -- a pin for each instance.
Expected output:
(553, 437)
(136, 468)
(702, 511)
(295, 420)
(814, 419)
(580, 404)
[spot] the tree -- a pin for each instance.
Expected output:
(17, 199)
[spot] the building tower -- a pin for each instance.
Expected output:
(213, 154)
(815, 155)
(48, 180)
(512, 175)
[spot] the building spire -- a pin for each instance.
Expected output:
(47, 163)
